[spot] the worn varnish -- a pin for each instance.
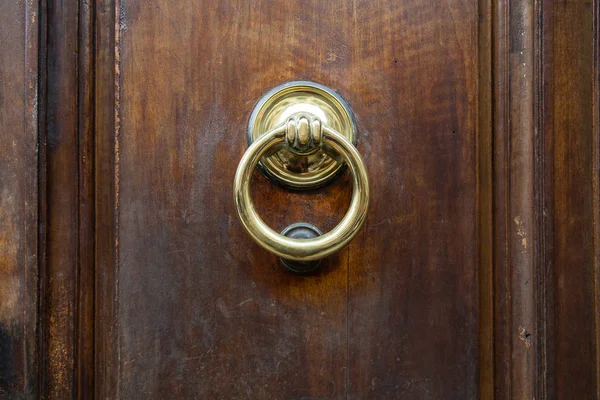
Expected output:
(18, 199)
(393, 315)
(571, 201)
(124, 272)
(514, 235)
(61, 148)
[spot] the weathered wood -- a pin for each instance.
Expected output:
(87, 205)
(475, 276)
(106, 340)
(67, 201)
(571, 263)
(19, 349)
(485, 195)
(203, 310)
(515, 331)
(60, 274)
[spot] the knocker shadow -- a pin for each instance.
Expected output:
(319, 268)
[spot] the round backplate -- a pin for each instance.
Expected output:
(293, 98)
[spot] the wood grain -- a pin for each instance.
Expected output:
(570, 124)
(18, 199)
(515, 237)
(124, 272)
(485, 195)
(61, 202)
(385, 317)
(106, 340)
(85, 302)
(412, 304)
(67, 201)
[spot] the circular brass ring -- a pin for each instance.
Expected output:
(302, 249)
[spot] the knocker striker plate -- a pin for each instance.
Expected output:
(301, 230)
(290, 169)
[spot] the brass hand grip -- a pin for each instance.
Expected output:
(302, 134)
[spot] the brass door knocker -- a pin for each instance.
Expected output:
(301, 135)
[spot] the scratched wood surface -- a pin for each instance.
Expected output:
(124, 272)
(202, 311)
(18, 199)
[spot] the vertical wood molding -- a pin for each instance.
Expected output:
(67, 205)
(31, 257)
(521, 206)
(86, 206)
(106, 335)
(484, 201)
(544, 226)
(596, 185)
(42, 196)
(61, 150)
(514, 222)
(545, 184)
(30, 249)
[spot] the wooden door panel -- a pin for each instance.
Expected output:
(201, 309)
(412, 300)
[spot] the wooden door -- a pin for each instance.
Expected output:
(125, 271)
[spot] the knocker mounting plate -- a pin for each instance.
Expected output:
(290, 169)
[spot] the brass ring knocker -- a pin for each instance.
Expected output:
(302, 134)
